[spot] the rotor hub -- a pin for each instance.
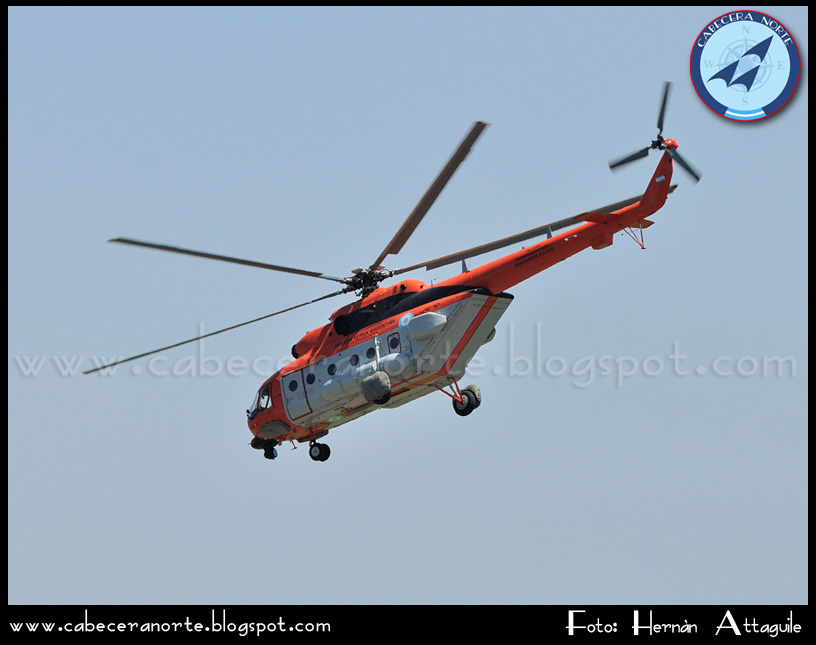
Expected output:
(664, 144)
(365, 281)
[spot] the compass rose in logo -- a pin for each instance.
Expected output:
(745, 65)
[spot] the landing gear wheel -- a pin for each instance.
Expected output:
(270, 452)
(468, 403)
(319, 452)
(476, 392)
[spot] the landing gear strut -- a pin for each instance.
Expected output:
(319, 451)
(471, 399)
(465, 400)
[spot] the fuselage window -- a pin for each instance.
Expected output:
(331, 369)
(371, 352)
(265, 401)
(292, 386)
(354, 360)
(310, 378)
(393, 342)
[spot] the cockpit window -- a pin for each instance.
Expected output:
(261, 402)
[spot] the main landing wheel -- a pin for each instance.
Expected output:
(270, 452)
(471, 400)
(319, 452)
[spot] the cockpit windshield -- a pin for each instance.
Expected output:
(261, 402)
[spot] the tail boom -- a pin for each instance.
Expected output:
(597, 233)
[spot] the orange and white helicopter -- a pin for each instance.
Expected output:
(398, 343)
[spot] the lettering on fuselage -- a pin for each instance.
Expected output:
(378, 328)
(533, 255)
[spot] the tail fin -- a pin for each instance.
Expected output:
(659, 186)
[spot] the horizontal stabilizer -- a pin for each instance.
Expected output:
(603, 218)
(595, 218)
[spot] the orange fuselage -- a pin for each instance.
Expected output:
(376, 324)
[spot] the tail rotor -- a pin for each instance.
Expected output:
(667, 145)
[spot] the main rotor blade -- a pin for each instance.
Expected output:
(684, 164)
(220, 331)
(662, 112)
(226, 258)
(632, 157)
(547, 229)
(399, 240)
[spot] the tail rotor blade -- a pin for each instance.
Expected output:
(684, 164)
(666, 87)
(633, 157)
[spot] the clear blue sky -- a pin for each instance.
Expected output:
(304, 137)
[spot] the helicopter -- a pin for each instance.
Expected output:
(395, 344)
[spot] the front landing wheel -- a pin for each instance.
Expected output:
(319, 452)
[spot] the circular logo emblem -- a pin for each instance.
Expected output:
(403, 322)
(745, 65)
